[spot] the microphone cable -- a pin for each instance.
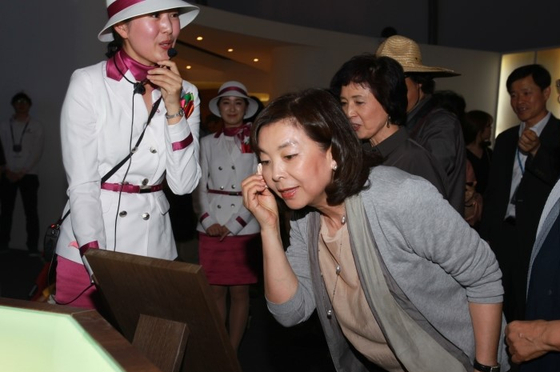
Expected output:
(138, 86)
(135, 91)
(125, 173)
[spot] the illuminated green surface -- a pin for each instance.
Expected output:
(37, 341)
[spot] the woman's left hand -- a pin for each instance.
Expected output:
(169, 80)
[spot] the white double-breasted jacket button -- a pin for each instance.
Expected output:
(220, 168)
(145, 216)
(153, 150)
(233, 167)
(144, 182)
(221, 187)
(233, 205)
(122, 214)
(219, 206)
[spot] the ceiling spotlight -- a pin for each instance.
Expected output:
(255, 59)
(230, 50)
(199, 38)
(188, 67)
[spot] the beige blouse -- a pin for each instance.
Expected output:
(348, 300)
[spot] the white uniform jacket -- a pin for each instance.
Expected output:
(98, 116)
(224, 172)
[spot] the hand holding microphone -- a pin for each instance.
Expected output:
(172, 52)
(170, 82)
(139, 87)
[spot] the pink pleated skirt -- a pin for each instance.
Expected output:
(236, 260)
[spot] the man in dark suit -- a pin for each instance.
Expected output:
(525, 167)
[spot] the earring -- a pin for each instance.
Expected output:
(388, 122)
(334, 168)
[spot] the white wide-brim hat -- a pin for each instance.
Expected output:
(406, 52)
(121, 10)
(233, 89)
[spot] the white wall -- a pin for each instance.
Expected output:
(479, 79)
(315, 55)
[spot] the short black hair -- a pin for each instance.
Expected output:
(19, 96)
(425, 79)
(474, 122)
(540, 75)
(115, 45)
(383, 76)
(320, 116)
(451, 101)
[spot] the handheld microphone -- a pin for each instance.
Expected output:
(172, 52)
(139, 87)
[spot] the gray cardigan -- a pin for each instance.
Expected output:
(433, 255)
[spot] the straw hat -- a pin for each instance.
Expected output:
(407, 53)
(233, 89)
(121, 10)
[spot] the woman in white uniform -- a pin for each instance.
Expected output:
(105, 117)
(229, 243)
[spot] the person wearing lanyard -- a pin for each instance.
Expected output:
(132, 109)
(525, 167)
(535, 342)
(22, 142)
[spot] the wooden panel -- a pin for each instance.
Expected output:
(162, 341)
(134, 285)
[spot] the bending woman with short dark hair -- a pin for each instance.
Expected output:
(399, 281)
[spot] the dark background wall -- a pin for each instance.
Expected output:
(492, 25)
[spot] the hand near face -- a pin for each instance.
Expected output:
(525, 340)
(529, 142)
(169, 80)
(260, 201)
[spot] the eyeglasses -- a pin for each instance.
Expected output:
(21, 100)
(558, 86)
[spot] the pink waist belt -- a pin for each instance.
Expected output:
(131, 189)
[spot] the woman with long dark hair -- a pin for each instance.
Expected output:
(477, 129)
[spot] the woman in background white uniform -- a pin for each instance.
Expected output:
(104, 114)
(229, 243)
